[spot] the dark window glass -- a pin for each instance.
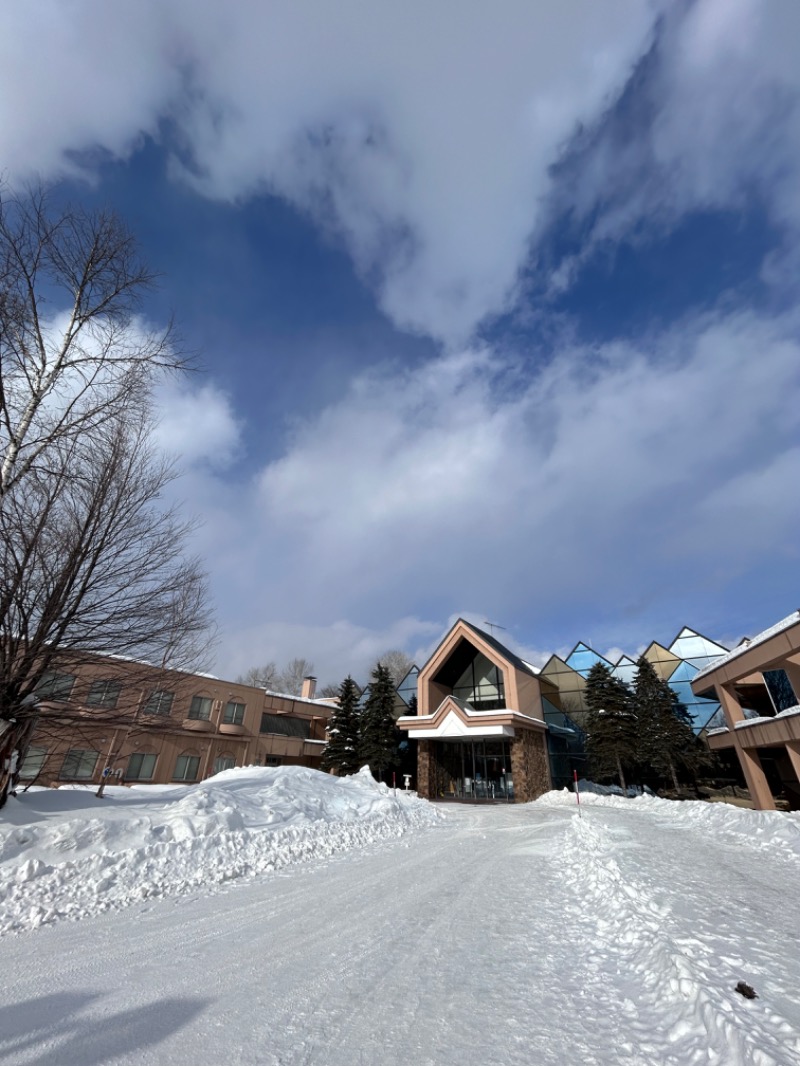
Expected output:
(159, 703)
(79, 763)
(285, 726)
(141, 767)
(32, 763)
(234, 713)
(104, 693)
(200, 709)
(407, 689)
(186, 767)
(54, 686)
(780, 690)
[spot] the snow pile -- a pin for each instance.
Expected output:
(67, 854)
(775, 831)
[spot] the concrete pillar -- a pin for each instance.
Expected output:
(757, 785)
(751, 764)
(731, 707)
(793, 673)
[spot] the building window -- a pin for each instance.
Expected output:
(234, 713)
(780, 690)
(285, 726)
(104, 693)
(32, 763)
(272, 760)
(186, 767)
(55, 686)
(481, 685)
(160, 703)
(224, 762)
(200, 709)
(79, 764)
(141, 767)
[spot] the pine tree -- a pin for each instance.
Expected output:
(610, 724)
(342, 751)
(665, 737)
(378, 730)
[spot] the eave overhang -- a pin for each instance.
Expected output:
(454, 718)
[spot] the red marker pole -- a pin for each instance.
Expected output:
(577, 793)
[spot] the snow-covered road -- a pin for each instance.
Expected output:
(507, 935)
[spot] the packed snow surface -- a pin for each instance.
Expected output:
(527, 935)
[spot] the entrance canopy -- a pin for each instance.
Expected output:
(456, 718)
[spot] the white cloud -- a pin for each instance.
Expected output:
(81, 76)
(714, 124)
(619, 476)
(423, 133)
(196, 424)
(335, 650)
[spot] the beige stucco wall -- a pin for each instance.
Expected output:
(117, 733)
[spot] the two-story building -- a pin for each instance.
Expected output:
(139, 723)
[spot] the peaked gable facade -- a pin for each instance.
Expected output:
(480, 728)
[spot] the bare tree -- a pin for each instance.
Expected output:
(329, 691)
(90, 560)
(397, 663)
(259, 676)
(290, 679)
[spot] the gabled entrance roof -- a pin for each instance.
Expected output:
(521, 688)
(491, 647)
(456, 718)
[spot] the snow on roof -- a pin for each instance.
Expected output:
(773, 631)
(321, 702)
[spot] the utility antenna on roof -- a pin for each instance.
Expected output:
(493, 625)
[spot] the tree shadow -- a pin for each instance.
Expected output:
(52, 1032)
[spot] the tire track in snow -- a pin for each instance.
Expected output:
(629, 925)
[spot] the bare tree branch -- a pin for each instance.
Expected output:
(66, 373)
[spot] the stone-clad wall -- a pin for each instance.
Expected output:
(529, 765)
(431, 777)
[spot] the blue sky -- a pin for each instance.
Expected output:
(496, 308)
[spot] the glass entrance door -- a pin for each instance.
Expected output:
(478, 769)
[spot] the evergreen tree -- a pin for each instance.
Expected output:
(378, 730)
(610, 724)
(665, 737)
(342, 751)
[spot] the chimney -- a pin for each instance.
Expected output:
(309, 687)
